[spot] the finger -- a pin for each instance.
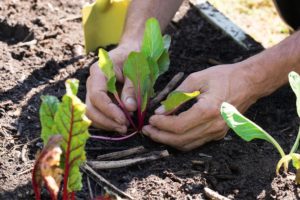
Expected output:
(128, 96)
(160, 136)
(180, 140)
(201, 141)
(101, 121)
(200, 113)
(97, 94)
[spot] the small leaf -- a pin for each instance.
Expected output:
(244, 127)
(71, 122)
(106, 66)
(47, 113)
(46, 168)
(153, 44)
(296, 160)
(163, 62)
(136, 69)
(167, 42)
(72, 86)
(177, 98)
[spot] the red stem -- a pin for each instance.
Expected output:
(67, 167)
(124, 110)
(112, 138)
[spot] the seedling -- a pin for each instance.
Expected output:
(142, 69)
(64, 132)
(248, 130)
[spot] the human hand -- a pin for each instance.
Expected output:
(202, 122)
(100, 108)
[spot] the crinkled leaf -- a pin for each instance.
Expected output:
(296, 160)
(106, 66)
(167, 41)
(136, 69)
(153, 44)
(71, 122)
(244, 127)
(46, 168)
(177, 98)
(163, 62)
(47, 113)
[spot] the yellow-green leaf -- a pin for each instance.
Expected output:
(71, 122)
(294, 80)
(107, 67)
(47, 112)
(177, 98)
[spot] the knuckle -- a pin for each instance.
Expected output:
(94, 67)
(192, 77)
(180, 128)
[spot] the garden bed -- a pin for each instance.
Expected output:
(47, 49)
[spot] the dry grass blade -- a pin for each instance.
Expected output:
(128, 162)
(122, 154)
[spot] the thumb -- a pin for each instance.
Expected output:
(128, 96)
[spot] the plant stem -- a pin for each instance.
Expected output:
(116, 95)
(139, 108)
(114, 138)
(67, 167)
(296, 144)
(36, 188)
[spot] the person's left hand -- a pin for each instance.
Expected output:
(202, 122)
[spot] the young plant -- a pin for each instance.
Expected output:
(64, 131)
(248, 130)
(142, 69)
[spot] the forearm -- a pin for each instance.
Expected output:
(140, 10)
(269, 70)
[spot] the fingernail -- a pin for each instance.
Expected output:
(130, 101)
(144, 131)
(121, 129)
(160, 110)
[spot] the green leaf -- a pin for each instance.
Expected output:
(71, 122)
(154, 73)
(244, 127)
(296, 160)
(47, 112)
(136, 69)
(163, 62)
(153, 44)
(167, 41)
(294, 80)
(177, 98)
(106, 66)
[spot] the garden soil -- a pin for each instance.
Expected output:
(41, 45)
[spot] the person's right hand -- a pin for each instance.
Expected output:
(100, 108)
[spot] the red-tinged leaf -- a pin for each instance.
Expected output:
(46, 169)
(71, 122)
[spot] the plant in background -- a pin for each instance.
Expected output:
(248, 130)
(142, 69)
(64, 134)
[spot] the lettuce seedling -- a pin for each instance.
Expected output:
(248, 130)
(65, 126)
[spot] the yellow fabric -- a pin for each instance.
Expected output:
(103, 23)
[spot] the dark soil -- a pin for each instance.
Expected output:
(237, 169)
